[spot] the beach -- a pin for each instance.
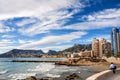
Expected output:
(83, 69)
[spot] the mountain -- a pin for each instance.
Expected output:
(78, 47)
(39, 53)
(23, 53)
(52, 52)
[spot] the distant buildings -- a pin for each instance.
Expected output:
(115, 40)
(101, 48)
(83, 54)
(66, 54)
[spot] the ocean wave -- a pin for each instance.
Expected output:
(43, 67)
(84, 69)
(3, 72)
(52, 75)
(20, 75)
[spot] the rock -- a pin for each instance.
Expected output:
(61, 63)
(73, 76)
(46, 78)
(31, 78)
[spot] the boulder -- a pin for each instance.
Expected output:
(31, 78)
(46, 78)
(73, 76)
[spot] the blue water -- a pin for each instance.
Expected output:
(20, 70)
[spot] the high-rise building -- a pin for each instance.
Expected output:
(119, 42)
(104, 48)
(101, 48)
(115, 40)
(95, 47)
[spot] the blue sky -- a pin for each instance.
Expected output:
(55, 24)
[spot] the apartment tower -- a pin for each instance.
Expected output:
(115, 41)
(95, 47)
(104, 48)
(101, 48)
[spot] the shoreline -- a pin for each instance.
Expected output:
(59, 69)
(88, 70)
(93, 68)
(83, 72)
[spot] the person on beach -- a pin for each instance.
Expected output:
(113, 67)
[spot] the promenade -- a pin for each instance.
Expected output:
(113, 77)
(106, 75)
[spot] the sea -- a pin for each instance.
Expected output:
(21, 70)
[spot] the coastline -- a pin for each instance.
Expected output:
(83, 72)
(84, 69)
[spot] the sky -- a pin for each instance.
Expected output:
(55, 24)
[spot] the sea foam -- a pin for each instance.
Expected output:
(3, 72)
(43, 67)
(52, 75)
(19, 76)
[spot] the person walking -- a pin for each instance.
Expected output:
(113, 67)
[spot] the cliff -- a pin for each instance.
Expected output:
(39, 53)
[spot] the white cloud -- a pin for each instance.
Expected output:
(26, 21)
(97, 36)
(5, 42)
(24, 41)
(102, 19)
(56, 20)
(4, 29)
(52, 40)
(51, 13)
(105, 14)
(45, 43)
(53, 20)
(21, 41)
(8, 36)
(33, 7)
(94, 24)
